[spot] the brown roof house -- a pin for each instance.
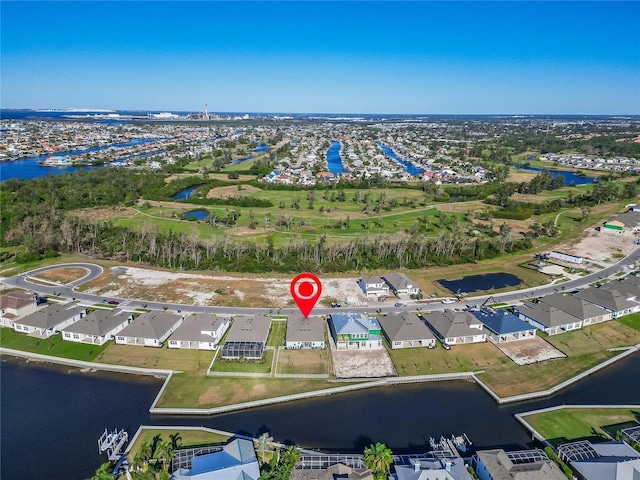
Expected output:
(15, 305)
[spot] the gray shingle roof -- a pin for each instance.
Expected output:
(16, 300)
(404, 326)
(50, 316)
(192, 327)
(98, 323)
(547, 315)
(249, 329)
(574, 305)
(300, 329)
(398, 281)
(450, 324)
(610, 299)
(153, 325)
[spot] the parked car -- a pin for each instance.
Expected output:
(448, 300)
(399, 304)
(113, 302)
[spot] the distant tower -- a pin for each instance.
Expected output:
(206, 111)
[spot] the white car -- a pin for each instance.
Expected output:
(448, 300)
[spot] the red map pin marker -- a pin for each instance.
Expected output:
(305, 290)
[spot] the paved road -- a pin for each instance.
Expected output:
(94, 271)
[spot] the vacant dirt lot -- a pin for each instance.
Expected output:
(362, 364)
(62, 275)
(199, 289)
(600, 247)
(524, 352)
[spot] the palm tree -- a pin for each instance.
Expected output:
(378, 458)
(263, 443)
(164, 453)
(176, 440)
(103, 472)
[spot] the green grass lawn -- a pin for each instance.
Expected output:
(277, 333)
(247, 366)
(187, 438)
(460, 358)
(570, 424)
(631, 321)
(53, 345)
(194, 392)
(303, 362)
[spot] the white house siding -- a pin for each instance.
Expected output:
(466, 339)
(305, 345)
(71, 336)
(46, 332)
(414, 343)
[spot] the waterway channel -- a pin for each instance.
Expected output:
(60, 412)
(26, 168)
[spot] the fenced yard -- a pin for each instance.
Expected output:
(302, 362)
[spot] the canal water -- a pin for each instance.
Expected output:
(411, 168)
(28, 167)
(334, 160)
(58, 413)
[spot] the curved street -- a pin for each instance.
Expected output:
(94, 271)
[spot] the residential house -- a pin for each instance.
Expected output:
(97, 327)
(202, 332)
(504, 326)
(628, 286)
(236, 461)
(426, 467)
(374, 287)
(150, 329)
(247, 337)
(578, 307)
(331, 467)
(15, 305)
(453, 328)
(400, 284)
(610, 299)
(519, 465)
(405, 330)
(546, 318)
(355, 331)
(612, 460)
(49, 320)
(305, 332)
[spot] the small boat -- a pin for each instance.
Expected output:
(461, 442)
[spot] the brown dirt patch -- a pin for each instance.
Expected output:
(524, 352)
(98, 213)
(244, 231)
(200, 289)
(600, 247)
(211, 396)
(62, 275)
(232, 191)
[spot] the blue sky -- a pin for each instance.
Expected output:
(328, 57)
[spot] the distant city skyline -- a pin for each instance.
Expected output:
(324, 57)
